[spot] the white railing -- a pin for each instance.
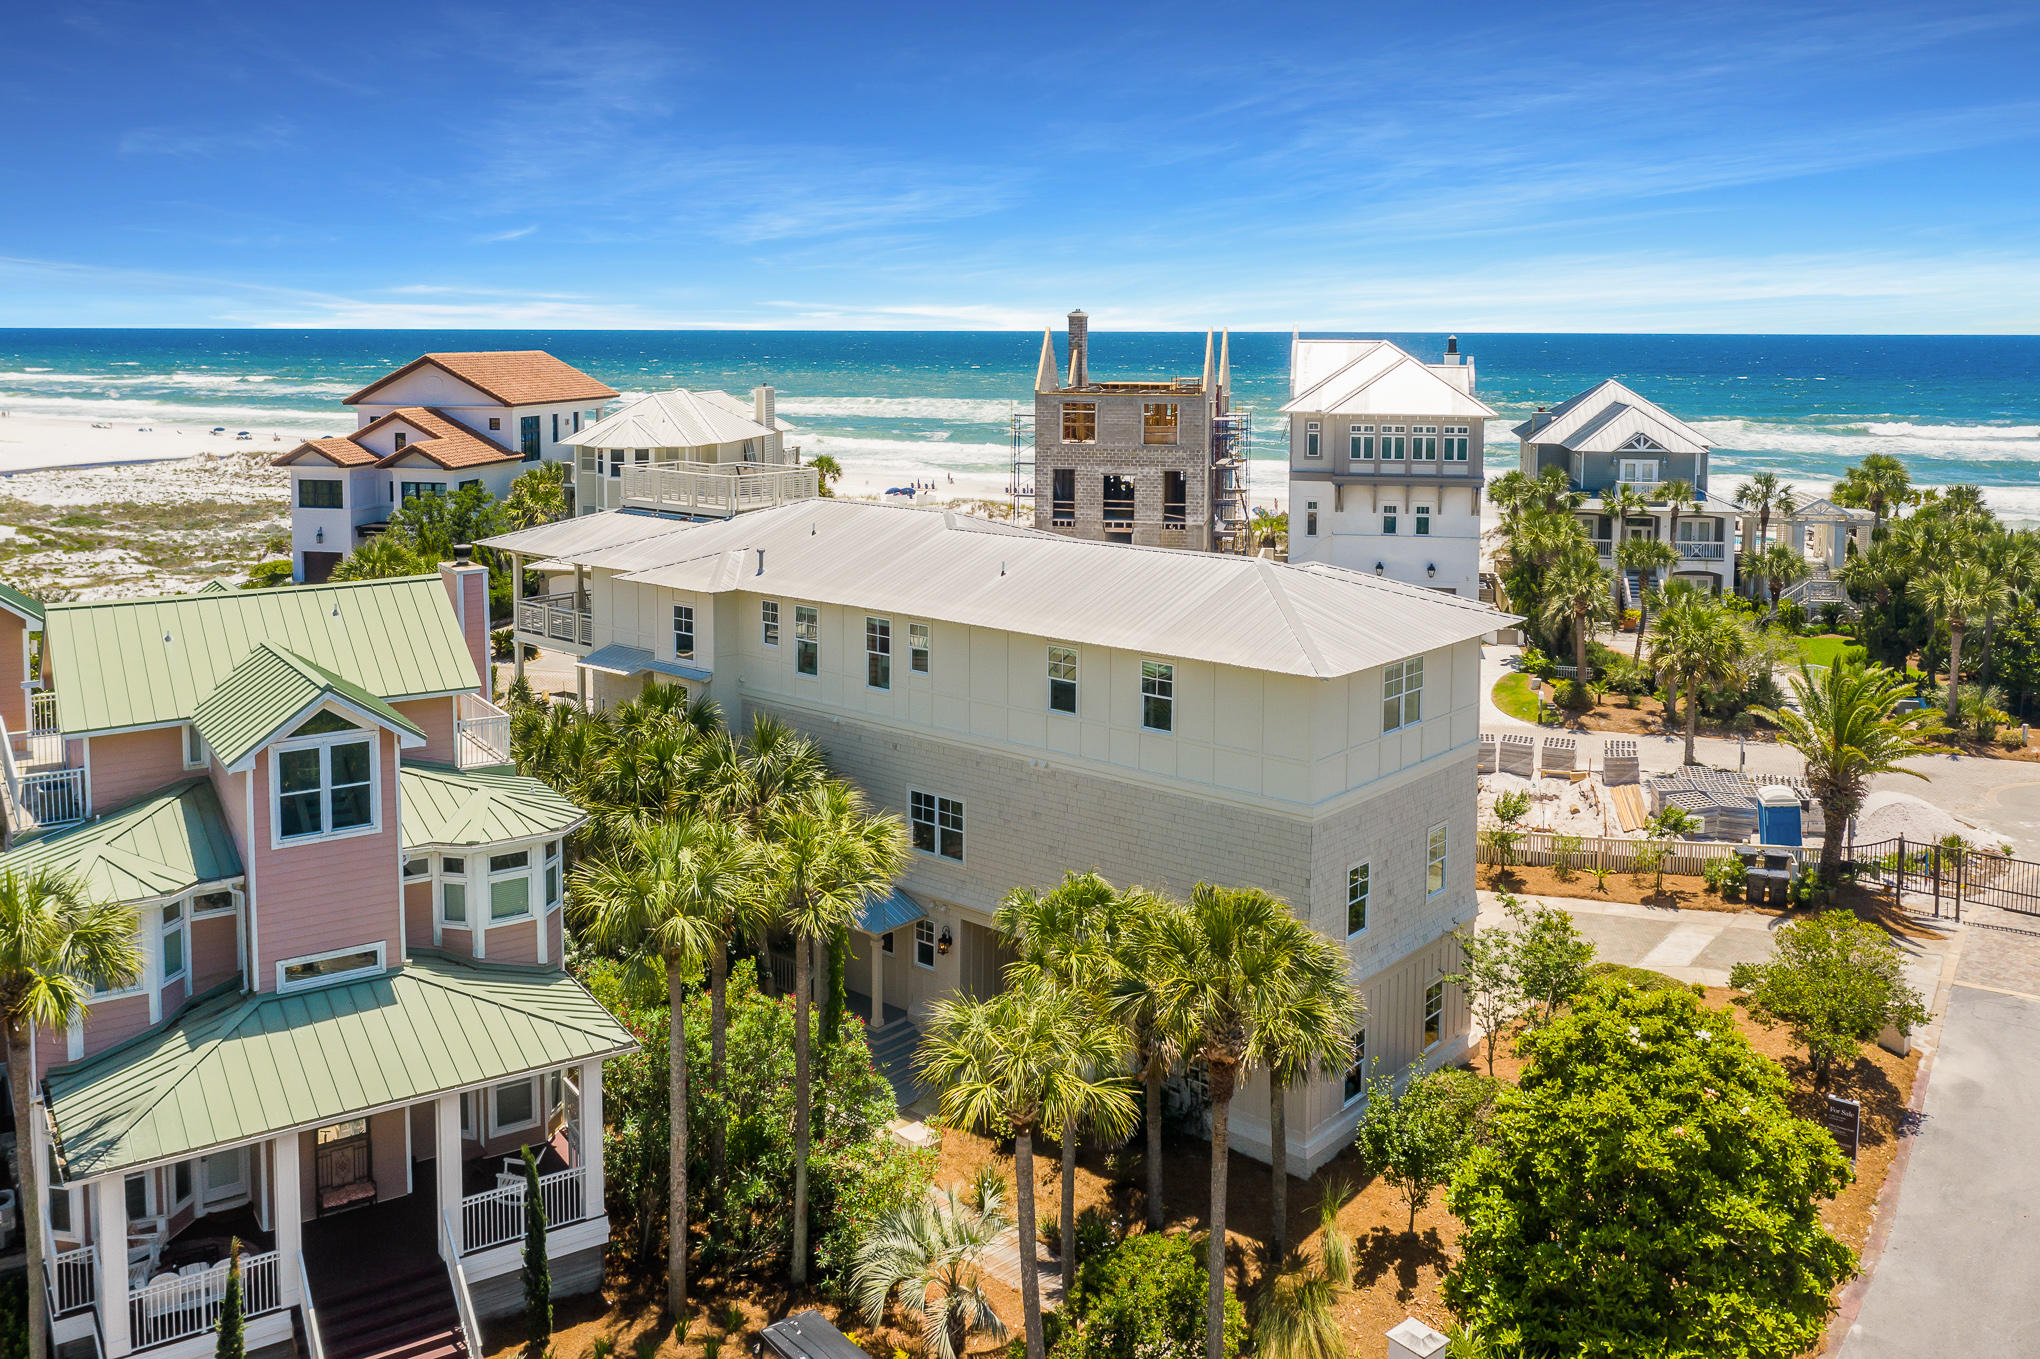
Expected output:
(559, 618)
(45, 737)
(497, 1215)
(313, 1341)
(481, 733)
(463, 1301)
(717, 490)
(72, 1278)
(189, 1304)
(1704, 552)
(53, 797)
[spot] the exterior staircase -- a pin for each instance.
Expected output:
(892, 1052)
(1817, 589)
(413, 1317)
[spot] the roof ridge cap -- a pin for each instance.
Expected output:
(1271, 580)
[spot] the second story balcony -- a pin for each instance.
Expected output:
(563, 617)
(38, 789)
(713, 490)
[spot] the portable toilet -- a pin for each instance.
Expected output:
(1777, 815)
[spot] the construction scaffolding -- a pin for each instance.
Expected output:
(1020, 482)
(1232, 450)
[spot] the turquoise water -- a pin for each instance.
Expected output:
(897, 404)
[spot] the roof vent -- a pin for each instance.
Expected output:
(761, 561)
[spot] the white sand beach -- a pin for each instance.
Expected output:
(30, 443)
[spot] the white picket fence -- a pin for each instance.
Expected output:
(1545, 849)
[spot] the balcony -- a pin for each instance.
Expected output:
(563, 617)
(177, 1306)
(481, 733)
(710, 490)
(495, 1217)
(1703, 552)
(37, 791)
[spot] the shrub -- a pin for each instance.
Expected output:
(1726, 878)
(1642, 978)
(1535, 662)
(1141, 1299)
(1565, 852)
(1855, 655)
(1572, 696)
(1512, 807)
(2010, 739)
(1836, 982)
(14, 1317)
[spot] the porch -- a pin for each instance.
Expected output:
(38, 789)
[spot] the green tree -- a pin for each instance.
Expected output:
(1488, 976)
(1552, 958)
(1405, 1137)
(1846, 723)
(2013, 561)
(1306, 1029)
(828, 855)
(1697, 642)
(436, 524)
(1767, 495)
(1957, 595)
(1836, 982)
(538, 1310)
(1879, 484)
(56, 945)
(231, 1327)
(1136, 1000)
(537, 497)
(1142, 1299)
(1646, 1190)
(659, 897)
(931, 1255)
(1233, 957)
(1031, 1059)
(1678, 496)
(1649, 559)
(387, 555)
(1779, 566)
(827, 473)
(1579, 592)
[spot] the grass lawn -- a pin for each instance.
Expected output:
(1513, 696)
(1824, 650)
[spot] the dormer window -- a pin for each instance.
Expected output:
(324, 777)
(402, 439)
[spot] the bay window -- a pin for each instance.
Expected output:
(509, 886)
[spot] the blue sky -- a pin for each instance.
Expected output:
(1852, 167)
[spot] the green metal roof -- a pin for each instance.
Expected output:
(24, 604)
(157, 846)
(236, 1067)
(267, 690)
(446, 806)
(148, 662)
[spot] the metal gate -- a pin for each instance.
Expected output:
(1940, 879)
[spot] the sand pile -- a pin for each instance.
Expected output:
(1887, 815)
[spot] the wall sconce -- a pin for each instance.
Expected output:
(945, 942)
(320, 536)
(1431, 569)
(1379, 569)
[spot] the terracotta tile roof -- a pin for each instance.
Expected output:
(343, 452)
(515, 377)
(447, 441)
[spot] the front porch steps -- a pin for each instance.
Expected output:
(892, 1052)
(405, 1318)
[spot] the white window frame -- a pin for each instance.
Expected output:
(1160, 687)
(375, 947)
(1310, 519)
(1437, 856)
(935, 822)
(924, 938)
(1420, 518)
(1434, 1014)
(497, 1127)
(324, 742)
(683, 627)
(196, 756)
(552, 877)
(1074, 663)
(920, 648)
(1423, 443)
(1631, 469)
(441, 880)
(232, 908)
(878, 652)
(1397, 676)
(1359, 892)
(768, 622)
(1356, 1062)
(810, 616)
(533, 889)
(179, 909)
(142, 983)
(1393, 442)
(1312, 439)
(1456, 442)
(1390, 518)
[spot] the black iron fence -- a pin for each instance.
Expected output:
(1940, 879)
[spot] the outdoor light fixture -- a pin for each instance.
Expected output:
(1379, 569)
(943, 944)
(320, 536)
(1431, 569)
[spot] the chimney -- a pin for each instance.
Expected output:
(1540, 419)
(467, 588)
(764, 406)
(1452, 354)
(1080, 349)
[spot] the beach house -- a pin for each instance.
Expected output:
(440, 422)
(1030, 703)
(351, 1011)
(704, 454)
(1386, 458)
(1626, 454)
(1158, 461)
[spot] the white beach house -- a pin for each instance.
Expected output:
(705, 454)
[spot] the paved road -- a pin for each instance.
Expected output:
(1956, 1277)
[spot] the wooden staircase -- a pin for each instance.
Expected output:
(410, 1318)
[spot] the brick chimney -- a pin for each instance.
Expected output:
(1080, 349)
(467, 586)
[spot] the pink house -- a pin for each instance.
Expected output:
(351, 1011)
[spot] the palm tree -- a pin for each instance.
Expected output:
(827, 473)
(1135, 1001)
(1067, 938)
(1879, 484)
(56, 945)
(829, 855)
(386, 555)
(2013, 560)
(1696, 642)
(1031, 1058)
(1308, 1029)
(1649, 558)
(931, 1254)
(1578, 592)
(1678, 494)
(1955, 595)
(537, 497)
(1780, 566)
(1224, 965)
(1849, 728)
(660, 896)
(1765, 494)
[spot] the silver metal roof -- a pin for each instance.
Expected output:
(1605, 417)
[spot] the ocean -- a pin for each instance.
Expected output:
(906, 404)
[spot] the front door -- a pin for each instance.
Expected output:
(226, 1177)
(343, 1165)
(984, 961)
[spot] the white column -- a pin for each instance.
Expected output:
(446, 1165)
(287, 1209)
(877, 982)
(591, 1134)
(109, 1198)
(516, 599)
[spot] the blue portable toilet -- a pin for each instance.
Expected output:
(1777, 816)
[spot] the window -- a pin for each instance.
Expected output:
(1644, 470)
(471, 481)
(402, 440)
(194, 749)
(556, 426)
(1422, 514)
(138, 1197)
(1434, 1014)
(320, 493)
(1455, 443)
(527, 437)
(1423, 443)
(509, 886)
(1357, 890)
(552, 874)
(495, 422)
(924, 943)
(1117, 492)
(1389, 514)
(1392, 442)
(1310, 439)
(337, 965)
(1434, 864)
(180, 1183)
(1062, 679)
(768, 622)
(1310, 519)
(918, 647)
(514, 1104)
(173, 942)
(885, 943)
(453, 891)
(937, 824)
(1080, 422)
(326, 786)
(1175, 499)
(417, 868)
(1062, 505)
(1360, 443)
(413, 489)
(59, 1213)
(577, 422)
(1402, 694)
(878, 653)
(208, 904)
(807, 640)
(1356, 1068)
(683, 631)
(1157, 696)
(1158, 422)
